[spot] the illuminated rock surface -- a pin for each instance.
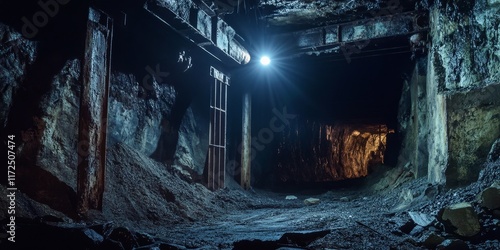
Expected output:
(315, 152)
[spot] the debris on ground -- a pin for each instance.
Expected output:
(148, 206)
(312, 201)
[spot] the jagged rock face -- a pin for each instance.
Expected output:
(48, 101)
(465, 40)
(136, 112)
(17, 54)
(132, 120)
(412, 117)
(473, 125)
(462, 89)
(192, 144)
(39, 106)
(314, 152)
(58, 124)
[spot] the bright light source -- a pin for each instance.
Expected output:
(265, 60)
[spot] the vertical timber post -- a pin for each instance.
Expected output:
(92, 127)
(246, 140)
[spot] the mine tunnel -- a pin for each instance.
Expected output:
(247, 124)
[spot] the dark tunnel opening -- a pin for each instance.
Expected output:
(320, 95)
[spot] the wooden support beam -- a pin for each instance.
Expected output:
(333, 36)
(246, 144)
(93, 111)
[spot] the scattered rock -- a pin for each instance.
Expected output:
(407, 227)
(123, 235)
(300, 239)
(311, 201)
(290, 197)
(494, 153)
(104, 229)
(491, 228)
(421, 219)
(417, 230)
(491, 244)
(92, 237)
(405, 200)
(432, 241)
(490, 197)
(453, 245)
(432, 191)
(344, 199)
(462, 218)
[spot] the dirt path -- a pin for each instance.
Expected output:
(354, 220)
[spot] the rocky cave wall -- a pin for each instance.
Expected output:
(465, 65)
(43, 114)
(315, 152)
(455, 110)
(412, 117)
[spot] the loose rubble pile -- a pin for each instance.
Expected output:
(466, 220)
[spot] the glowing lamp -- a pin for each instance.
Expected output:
(265, 60)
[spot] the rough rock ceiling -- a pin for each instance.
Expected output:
(323, 12)
(286, 12)
(299, 14)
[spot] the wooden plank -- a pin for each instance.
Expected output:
(326, 37)
(93, 111)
